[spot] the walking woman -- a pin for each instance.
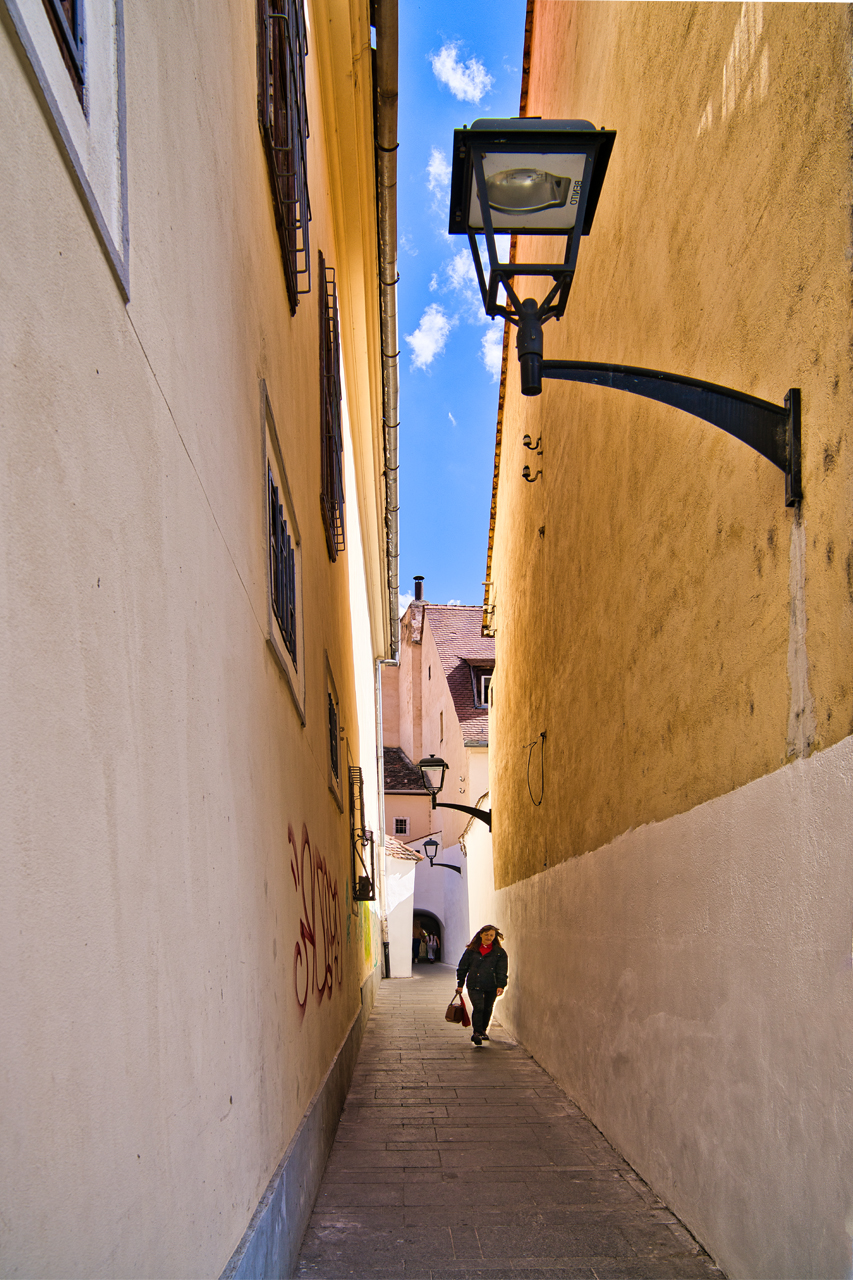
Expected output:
(484, 964)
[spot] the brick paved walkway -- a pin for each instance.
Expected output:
(457, 1162)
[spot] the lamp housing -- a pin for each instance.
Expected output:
(430, 847)
(526, 176)
(433, 769)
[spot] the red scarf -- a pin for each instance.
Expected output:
(484, 951)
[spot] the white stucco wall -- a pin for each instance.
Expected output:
(399, 892)
(690, 985)
(482, 905)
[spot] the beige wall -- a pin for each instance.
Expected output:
(660, 596)
(684, 639)
(156, 1060)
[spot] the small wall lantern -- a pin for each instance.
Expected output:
(431, 847)
(433, 769)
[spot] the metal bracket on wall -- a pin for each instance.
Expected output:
(772, 430)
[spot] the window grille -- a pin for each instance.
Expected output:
(333, 737)
(332, 494)
(401, 826)
(361, 841)
(282, 571)
(283, 115)
(66, 19)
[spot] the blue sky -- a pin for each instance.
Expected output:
(458, 61)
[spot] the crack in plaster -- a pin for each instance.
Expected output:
(801, 717)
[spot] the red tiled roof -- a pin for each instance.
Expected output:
(457, 631)
(396, 849)
(401, 775)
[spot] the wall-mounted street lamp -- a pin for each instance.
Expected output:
(433, 769)
(430, 848)
(544, 178)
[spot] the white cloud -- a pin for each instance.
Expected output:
(452, 419)
(433, 284)
(467, 81)
(430, 337)
(450, 602)
(438, 172)
(407, 246)
(404, 599)
(462, 272)
(491, 349)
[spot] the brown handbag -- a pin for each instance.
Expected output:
(457, 1012)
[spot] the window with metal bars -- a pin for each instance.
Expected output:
(332, 492)
(283, 116)
(282, 571)
(361, 841)
(66, 19)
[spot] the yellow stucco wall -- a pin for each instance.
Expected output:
(650, 586)
(163, 1026)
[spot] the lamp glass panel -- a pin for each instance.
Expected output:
(432, 773)
(432, 778)
(537, 193)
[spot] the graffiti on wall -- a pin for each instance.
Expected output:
(317, 956)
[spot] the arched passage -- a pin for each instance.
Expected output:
(433, 926)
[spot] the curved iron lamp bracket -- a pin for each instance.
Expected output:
(772, 430)
(485, 815)
(448, 865)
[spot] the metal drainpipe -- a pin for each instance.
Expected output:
(386, 167)
(386, 174)
(380, 778)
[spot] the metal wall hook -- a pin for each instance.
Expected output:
(528, 477)
(537, 446)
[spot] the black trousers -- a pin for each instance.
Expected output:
(482, 1004)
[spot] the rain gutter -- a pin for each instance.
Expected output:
(386, 173)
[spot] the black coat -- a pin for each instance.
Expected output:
(484, 973)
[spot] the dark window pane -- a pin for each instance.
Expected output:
(282, 571)
(333, 736)
(66, 19)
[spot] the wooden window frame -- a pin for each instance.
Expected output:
(478, 675)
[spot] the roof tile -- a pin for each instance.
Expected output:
(401, 775)
(457, 631)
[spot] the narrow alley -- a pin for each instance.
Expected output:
(462, 1162)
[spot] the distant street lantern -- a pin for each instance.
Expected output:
(433, 769)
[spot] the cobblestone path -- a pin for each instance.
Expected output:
(458, 1162)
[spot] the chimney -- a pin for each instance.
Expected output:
(419, 586)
